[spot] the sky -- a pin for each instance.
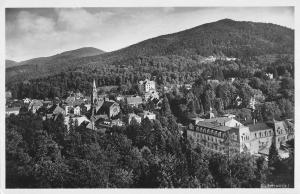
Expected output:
(41, 32)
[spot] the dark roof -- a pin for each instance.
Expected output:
(258, 127)
(213, 126)
(105, 107)
(218, 120)
(53, 108)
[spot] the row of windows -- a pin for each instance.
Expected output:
(211, 145)
(210, 131)
(263, 134)
(244, 138)
(207, 137)
(279, 131)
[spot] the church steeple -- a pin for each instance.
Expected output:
(94, 100)
(94, 94)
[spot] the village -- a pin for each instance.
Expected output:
(222, 134)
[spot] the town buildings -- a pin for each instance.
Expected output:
(225, 133)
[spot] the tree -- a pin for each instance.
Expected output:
(274, 163)
(165, 109)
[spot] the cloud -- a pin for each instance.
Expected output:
(80, 19)
(31, 35)
(43, 32)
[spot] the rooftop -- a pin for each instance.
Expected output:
(211, 125)
(218, 120)
(12, 109)
(258, 127)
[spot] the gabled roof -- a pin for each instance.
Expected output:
(55, 108)
(35, 102)
(105, 107)
(258, 127)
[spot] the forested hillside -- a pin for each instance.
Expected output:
(222, 38)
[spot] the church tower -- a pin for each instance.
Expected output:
(94, 101)
(94, 98)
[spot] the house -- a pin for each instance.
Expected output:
(120, 98)
(76, 110)
(108, 123)
(55, 110)
(77, 120)
(263, 134)
(252, 103)
(269, 75)
(12, 110)
(111, 108)
(47, 103)
(134, 101)
(229, 115)
(188, 86)
(35, 105)
(147, 114)
(68, 109)
(219, 137)
(261, 138)
(151, 95)
(26, 100)
(136, 117)
(147, 85)
(73, 101)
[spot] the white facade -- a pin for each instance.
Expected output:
(136, 117)
(149, 115)
(77, 110)
(147, 85)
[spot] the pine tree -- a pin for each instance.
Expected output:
(274, 163)
(166, 110)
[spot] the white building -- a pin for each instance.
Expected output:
(149, 115)
(147, 85)
(136, 117)
(76, 110)
(269, 75)
(26, 100)
(13, 110)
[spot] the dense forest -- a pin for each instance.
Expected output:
(222, 38)
(274, 96)
(43, 154)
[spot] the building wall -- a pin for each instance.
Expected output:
(137, 118)
(77, 110)
(215, 139)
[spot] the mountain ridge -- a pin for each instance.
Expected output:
(221, 38)
(66, 55)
